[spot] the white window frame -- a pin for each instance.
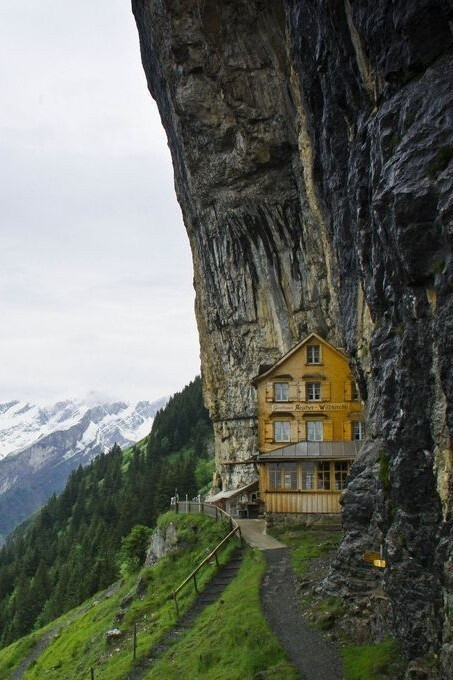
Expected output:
(313, 391)
(282, 431)
(315, 431)
(281, 391)
(358, 430)
(312, 350)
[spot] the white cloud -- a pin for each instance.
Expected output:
(95, 269)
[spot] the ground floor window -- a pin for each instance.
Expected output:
(323, 476)
(341, 473)
(308, 475)
(282, 475)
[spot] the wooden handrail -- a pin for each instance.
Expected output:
(235, 530)
(206, 559)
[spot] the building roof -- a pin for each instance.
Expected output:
(231, 493)
(292, 351)
(316, 450)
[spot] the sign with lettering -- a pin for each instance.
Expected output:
(306, 407)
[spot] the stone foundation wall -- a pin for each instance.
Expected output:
(287, 520)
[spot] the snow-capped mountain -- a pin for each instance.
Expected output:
(23, 424)
(40, 446)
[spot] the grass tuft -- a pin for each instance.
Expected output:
(373, 662)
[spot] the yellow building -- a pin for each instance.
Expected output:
(310, 424)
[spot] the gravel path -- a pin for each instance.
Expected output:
(314, 657)
(252, 531)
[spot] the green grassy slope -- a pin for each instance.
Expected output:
(230, 641)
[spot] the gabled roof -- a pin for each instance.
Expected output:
(292, 351)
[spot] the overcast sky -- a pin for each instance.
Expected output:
(95, 267)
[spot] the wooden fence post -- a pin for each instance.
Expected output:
(92, 673)
(195, 582)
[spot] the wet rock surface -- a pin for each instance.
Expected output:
(312, 146)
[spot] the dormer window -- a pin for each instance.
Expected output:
(313, 354)
(281, 391)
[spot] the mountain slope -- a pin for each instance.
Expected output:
(41, 446)
(71, 548)
(231, 639)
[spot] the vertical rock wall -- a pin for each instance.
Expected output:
(311, 144)
(377, 83)
(220, 75)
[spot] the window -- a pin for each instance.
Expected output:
(313, 354)
(314, 391)
(323, 476)
(341, 472)
(282, 475)
(308, 476)
(314, 431)
(275, 475)
(354, 391)
(282, 431)
(290, 475)
(358, 430)
(281, 391)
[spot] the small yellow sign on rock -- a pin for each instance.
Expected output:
(375, 559)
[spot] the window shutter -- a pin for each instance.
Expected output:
(303, 391)
(294, 431)
(348, 391)
(325, 390)
(302, 431)
(293, 395)
(269, 391)
(347, 430)
(268, 432)
(328, 430)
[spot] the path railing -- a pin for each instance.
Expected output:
(198, 507)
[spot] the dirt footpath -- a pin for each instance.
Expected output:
(314, 657)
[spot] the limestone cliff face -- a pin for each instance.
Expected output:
(220, 74)
(311, 144)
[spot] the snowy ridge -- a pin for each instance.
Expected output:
(23, 424)
(40, 446)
